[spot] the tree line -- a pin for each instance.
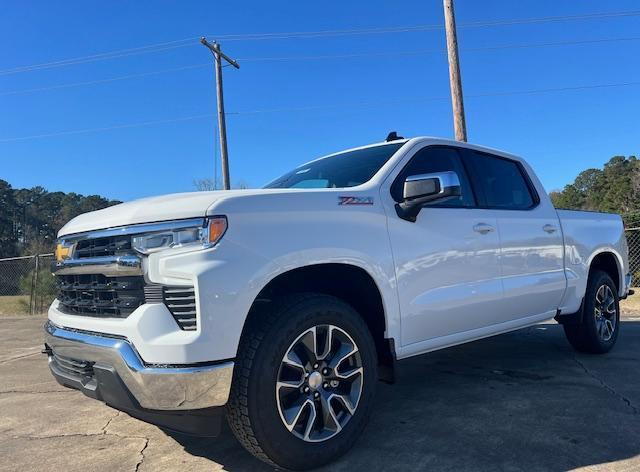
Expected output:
(31, 218)
(615, 188)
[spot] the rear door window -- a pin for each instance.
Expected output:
(499, 182)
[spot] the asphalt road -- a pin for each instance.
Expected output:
(520, 401)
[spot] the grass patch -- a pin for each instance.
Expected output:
(14, 305)
(631, 304)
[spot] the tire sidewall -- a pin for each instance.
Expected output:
(277, 442)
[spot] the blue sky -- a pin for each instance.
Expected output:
(337, 102)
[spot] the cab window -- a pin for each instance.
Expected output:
(436, 159)
(500, 182)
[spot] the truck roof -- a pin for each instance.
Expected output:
(435, 140)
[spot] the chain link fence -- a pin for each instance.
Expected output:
(26, 285)
(633, 239)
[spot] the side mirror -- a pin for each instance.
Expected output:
(426, 188)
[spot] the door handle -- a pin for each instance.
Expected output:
(483, 228)
(550, 228)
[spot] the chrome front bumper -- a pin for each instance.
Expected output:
(153, 387)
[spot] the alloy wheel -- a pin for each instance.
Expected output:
(319, 383)
(605, 313)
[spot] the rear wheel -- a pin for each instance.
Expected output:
(304, 382)
(598, 331)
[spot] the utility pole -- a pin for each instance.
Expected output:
(455, 81)
(222, 125)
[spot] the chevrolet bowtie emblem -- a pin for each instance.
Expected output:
(62, 252)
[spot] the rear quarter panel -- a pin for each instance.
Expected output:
(587, 234)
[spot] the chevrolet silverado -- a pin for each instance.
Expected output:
(281, 308)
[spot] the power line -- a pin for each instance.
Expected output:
(439, 50)
(328, 57)
(549, 19)
(437, 98)
(107, 128)
(103, 81)
(405, 29)
(551, 44)
(179, 43)
(87, 59)
(323, 107)
(554, 89)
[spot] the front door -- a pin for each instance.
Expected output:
(447, 261)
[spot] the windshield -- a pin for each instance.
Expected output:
(346, 169)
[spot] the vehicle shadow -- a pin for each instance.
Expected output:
(520, 401)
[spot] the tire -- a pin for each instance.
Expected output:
(597, 334)
(261, 393)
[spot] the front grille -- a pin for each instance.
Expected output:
(99, 247)
(98, 295)
(118, 297)
(74, 367)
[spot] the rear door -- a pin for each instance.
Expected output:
(447, 261)
(531, 239)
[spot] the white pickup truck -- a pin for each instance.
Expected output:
(283, 307)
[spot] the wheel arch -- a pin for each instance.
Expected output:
(606, 260)
(348, 282)
(610, 262)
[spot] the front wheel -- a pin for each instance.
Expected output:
(304, 381)
(598, 331)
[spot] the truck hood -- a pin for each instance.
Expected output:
(149, 210)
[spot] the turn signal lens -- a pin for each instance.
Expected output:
(217, 227)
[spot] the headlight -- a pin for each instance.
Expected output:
(206, 235)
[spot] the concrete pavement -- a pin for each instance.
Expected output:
(520, 401)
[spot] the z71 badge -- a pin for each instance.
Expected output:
(355, 200)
